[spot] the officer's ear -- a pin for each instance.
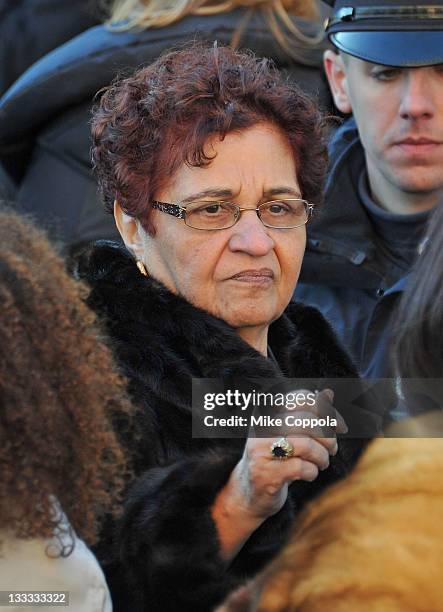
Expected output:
(335, 68)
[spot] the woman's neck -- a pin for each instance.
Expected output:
(257, 337)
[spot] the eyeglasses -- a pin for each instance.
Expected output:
(285, 213)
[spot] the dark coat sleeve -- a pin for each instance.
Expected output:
(168, 542)
(168, 553)
(168, 547)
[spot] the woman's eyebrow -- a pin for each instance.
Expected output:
(269, 193)
(209, 193)
(219, 192)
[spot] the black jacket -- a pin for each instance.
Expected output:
(31, 28)
(165, 554)
(345, 273)
(44, 118)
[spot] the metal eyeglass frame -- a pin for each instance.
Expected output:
(179, 211)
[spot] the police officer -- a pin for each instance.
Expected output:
(386, 169)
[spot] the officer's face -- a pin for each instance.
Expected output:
(399, 114)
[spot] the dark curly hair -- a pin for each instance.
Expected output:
(147, 125)
(60, 396)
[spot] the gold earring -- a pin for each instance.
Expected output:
(142, 268)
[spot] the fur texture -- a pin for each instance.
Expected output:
(165, 553)
(373, 543)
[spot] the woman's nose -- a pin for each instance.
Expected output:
(250, 236)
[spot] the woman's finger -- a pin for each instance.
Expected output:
(305, 448)
(325, 408)
(297, 468)
(308, 424)
(322, 409)
(310, 450)
(330, 444)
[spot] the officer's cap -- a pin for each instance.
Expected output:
(403, 33)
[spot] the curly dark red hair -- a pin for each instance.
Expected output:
(60, 395)
(147, 125)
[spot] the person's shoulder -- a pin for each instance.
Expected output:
(103, 44)
(33, 28)
(65, 58)
(34, 565)
(58, 79)
(74, 72)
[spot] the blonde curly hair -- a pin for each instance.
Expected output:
(143, 14)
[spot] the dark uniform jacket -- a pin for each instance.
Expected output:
(165, 554)
(44, 118)
(345, 272)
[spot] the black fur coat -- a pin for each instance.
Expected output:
(164, 554)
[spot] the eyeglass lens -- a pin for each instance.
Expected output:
(285, 213)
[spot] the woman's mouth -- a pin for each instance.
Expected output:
(254, 276)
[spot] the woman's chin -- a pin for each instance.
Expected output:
(250, 317)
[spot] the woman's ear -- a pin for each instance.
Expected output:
(335, 69)
(130, 231)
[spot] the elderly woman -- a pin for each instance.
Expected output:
(211, 164)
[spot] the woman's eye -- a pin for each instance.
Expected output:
(209, 209)
(278, 208)
(212, 209)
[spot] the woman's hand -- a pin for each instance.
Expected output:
(261, 481)
(258, 485)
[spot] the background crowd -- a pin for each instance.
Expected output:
(217, 189)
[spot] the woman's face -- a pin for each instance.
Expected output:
(245, 274)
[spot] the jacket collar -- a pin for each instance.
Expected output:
(343, 229)
(343, 218)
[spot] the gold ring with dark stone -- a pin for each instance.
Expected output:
(282, 449)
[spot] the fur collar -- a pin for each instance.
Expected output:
(170, 340)
(166, 340)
